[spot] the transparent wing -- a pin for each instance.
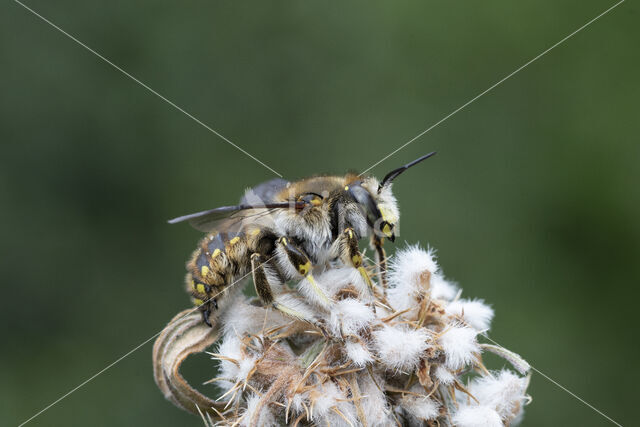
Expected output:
(233, 218)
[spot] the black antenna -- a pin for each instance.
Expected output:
(394, 173)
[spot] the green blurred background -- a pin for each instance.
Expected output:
(532, 202)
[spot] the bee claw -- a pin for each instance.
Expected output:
(205, 316)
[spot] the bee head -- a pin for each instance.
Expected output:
(377, 201)
(380, 209)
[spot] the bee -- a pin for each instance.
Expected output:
(281, 231)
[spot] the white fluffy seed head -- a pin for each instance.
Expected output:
(230, 348)
(459, 345)
(349, 316)
(246, 366)
(474, 312)
(420, 407)
(409, 275)
(358, 353)
(400, 348)
(442, 289)
(327, 397)
(375, 405)
(504, 392)
(251, 416)
(444, 376)
(335, 279)
(242, 318)
(476, 416)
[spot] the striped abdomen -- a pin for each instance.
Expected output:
(220, 260)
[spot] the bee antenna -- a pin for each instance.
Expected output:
(394, 173)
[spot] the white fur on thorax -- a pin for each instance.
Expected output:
(316, 238)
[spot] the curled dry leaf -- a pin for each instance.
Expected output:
(184, 335)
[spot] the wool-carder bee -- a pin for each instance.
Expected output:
(282, 230)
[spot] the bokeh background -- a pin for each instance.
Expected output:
(532, 202)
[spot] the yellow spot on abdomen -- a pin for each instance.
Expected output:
(215, 253)
(200, 288)
(234, 240)
(197, 302)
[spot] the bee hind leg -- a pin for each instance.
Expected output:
(263, 289)
(205, 301)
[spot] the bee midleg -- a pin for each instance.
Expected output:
(263, 282)
(381, 260)
(350, 254)
(296, 264)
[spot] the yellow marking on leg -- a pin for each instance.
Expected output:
(215, 253)
(289, 311)
(317, 289)
(200, 288)
(204, 270)
(283, 240)
(356, 260)
(304, 268)
(366, 277)
(234, 240)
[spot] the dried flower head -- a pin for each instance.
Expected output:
(406, 355)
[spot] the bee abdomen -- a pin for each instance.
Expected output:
(220, 259)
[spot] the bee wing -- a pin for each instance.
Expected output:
(232, 218)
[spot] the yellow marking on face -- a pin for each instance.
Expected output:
(316, 201)
(197, 302)
(387, 214)
(204, 271)
(357, 260)
(234, 240)
(215, 253)
(386, 229)
(200, 288)
(304, 268)
(346, 188)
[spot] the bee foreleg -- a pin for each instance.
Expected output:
(381, 260)
(350, 254)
